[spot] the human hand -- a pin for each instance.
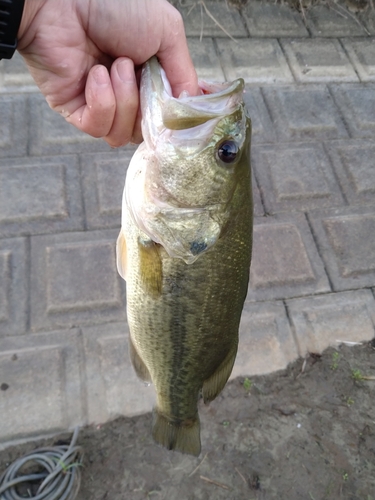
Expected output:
(84, 56)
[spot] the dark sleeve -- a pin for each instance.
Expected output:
(10, 20)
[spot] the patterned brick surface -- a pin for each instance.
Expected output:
(41, 374)
(354, 165)
(103, 179)
(362, 55)
(50, 133)
(346, 239)
(112, 387)
(256, 61)
(205, 59)
(13, 125)
(39, 195)
(272, 20)
(295, 176)
(13, 289)
(262, 127)
(285, 259)
(330, 21)
(357, 105)
(266, 340)
(318, 60)
(205, 19)
(304, 113)
(331, 319)
(62, 303)
(74, 280)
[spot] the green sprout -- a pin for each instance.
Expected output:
(357, 375)
(247, 383)
(335, 360)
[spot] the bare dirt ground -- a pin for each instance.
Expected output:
(307, 432)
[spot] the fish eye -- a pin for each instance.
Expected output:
(227, 151)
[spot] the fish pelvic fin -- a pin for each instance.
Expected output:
(121, 256)
(139, 366)
(151, 268)
(183, 436)
(215, 384)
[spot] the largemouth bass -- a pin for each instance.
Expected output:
(185, 247)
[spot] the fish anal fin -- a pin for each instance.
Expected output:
(140, 368)
(121, 255)
(215, 384)
(150, 266)
(181, 436)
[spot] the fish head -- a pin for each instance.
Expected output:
(195, 154)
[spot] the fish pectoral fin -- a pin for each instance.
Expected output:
(150, 267)
(121, 255)
(215, 384)
(139, 367)
(183, 436)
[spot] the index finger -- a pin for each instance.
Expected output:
(175, 58)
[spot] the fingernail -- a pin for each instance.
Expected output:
(125, 72)
(101, 76)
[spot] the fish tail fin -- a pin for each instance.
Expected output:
(183, 436)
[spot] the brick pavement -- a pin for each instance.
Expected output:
(63, 332)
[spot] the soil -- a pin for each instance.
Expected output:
(307, 432)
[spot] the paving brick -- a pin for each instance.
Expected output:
(285, 260)
(199, 23)
(327, 320)
(13, 289)
(346, 239)
(256, 61)
(103, 177)
(50, 133)
(295, 177)
(357, 104)
(42, 376)
(361, 52)
(354, 164)
(205, 59)
(113, 389)
(15, 77)
(74, 280)
(273, 20)
(332, 21)
(257, 200)
(266, 341)
(13, 125)
(262, 128)
(318, 60)
(39, 195)
(304, 113)
(367, 19)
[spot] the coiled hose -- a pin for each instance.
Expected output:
(59, 479)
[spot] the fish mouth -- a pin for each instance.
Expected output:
(163, 111)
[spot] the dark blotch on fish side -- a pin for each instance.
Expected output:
(198, 247)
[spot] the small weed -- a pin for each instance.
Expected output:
(247, 383)
(357, 375)
(345, 476)
(226, 423)
(335, 360)
(349, 401)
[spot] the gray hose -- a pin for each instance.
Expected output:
(59, 479)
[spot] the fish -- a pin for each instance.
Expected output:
(184, 247)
